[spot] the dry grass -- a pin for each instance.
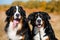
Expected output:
(55, 21)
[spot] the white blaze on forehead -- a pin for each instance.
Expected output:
(16, 9)
(38, 13)
(39, 18)
(17, 12)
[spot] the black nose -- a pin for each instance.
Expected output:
(38, 21)
(17, 15)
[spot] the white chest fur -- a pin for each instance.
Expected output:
(12, 32)
(40, 35)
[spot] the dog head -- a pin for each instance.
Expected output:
(38, 18)
(15, 13)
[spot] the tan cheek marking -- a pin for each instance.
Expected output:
(43, 24)
(20, 25)
(23, 37)
(30, 26)
(11, 18)
(47, 38)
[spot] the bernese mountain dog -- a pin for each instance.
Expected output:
(40, 26)
(17, 26)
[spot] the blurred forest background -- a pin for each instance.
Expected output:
(52, 7)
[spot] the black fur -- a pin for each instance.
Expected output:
(10, 12)
(49, 31)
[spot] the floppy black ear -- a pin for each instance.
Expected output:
(31, 17)
(46, 16)
(8, 14)
(22, 11)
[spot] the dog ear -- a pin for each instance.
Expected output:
(8, 12)
(8, 15)
(30, 21)
(46, 16)
(23, 13)
(30, 17)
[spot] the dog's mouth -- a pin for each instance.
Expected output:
(15, 22)
(39, 25)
